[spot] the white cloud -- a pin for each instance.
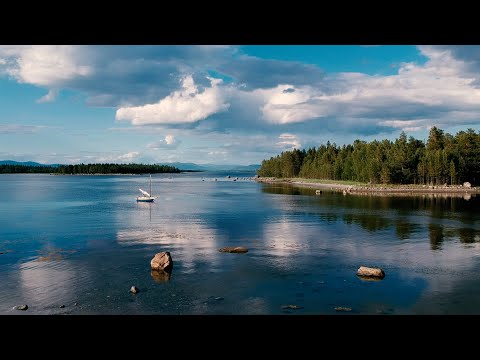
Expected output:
(170, 142)
(46, 65)
(289, 141)
(288, 104)
(49, 97)
(123, 158)
(170, 139)
(183, 106)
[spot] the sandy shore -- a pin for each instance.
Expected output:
(376, 189)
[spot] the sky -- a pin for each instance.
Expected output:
(220, 104)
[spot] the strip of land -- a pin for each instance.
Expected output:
(358, 188)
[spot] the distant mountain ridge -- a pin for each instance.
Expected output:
(26, 163)
(212, 167)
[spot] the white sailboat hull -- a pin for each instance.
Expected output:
(145, 198)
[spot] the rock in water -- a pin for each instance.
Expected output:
(293, 307)
(134, 290)
(343, 308)
(162, 261)
(231, 249)
(21, 307)
(370, 272)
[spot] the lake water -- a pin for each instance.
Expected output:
(81, 242)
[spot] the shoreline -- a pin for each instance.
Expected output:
(375, 189)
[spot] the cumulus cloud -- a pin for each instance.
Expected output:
(123, 158)
(183, 106)
(47, 65)
(289, 141)
(168, 143)
(49, 97)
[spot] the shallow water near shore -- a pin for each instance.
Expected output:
(81, 242)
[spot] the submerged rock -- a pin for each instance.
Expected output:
(162, 261)
(232, 249)
(134, 290)
(21, 307)
(293, 307)
(343, 308)
(372, 272)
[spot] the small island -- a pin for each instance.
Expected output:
(89, 169)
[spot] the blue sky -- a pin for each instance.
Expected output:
(225, 104)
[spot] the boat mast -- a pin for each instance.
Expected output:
(150, 184)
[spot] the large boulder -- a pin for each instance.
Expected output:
(370, 272)
(162, 261)
(467, 184)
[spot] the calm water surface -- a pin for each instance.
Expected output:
(83, 241)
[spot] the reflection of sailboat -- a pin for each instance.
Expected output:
(147, 197)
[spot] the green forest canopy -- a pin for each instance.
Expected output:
(90, 169)
(444, 159)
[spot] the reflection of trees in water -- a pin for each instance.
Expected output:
(404, 229)
(370, 222)
(436, 236)
(287, 189)
(449, 206)
(467, 235)
(439, 206)
(328, 217)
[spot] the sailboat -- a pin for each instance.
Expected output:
(147, 197)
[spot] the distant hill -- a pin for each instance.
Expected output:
(212, 167)
(26, 163)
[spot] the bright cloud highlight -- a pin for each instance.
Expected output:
(183, 106)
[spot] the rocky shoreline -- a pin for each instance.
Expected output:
(376, 189)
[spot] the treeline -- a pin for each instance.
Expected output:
(91, 169)
(443, 159)
(12, 169)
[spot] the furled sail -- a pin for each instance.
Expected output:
(144, 192)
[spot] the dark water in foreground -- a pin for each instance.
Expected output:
(85, 240)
